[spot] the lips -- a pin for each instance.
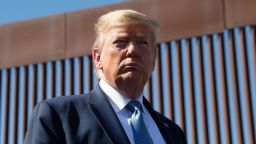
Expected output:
(132, 66)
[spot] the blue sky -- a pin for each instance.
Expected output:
(18, 10)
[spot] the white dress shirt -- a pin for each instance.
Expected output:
(118, 102)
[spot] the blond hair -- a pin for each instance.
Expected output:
(126, 16)
(106, 21)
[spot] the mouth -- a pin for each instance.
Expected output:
(132, 66)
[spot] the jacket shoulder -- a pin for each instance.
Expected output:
(63, 100)
(64, 104)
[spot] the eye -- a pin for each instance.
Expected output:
(143, 43)
(121, 43)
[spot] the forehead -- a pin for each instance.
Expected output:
(138, 30)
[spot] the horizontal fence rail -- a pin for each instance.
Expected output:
(206, 84)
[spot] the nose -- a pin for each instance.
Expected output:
(132, 50)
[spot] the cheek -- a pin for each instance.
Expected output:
(111, 59)
(150, 56)
(151, 60)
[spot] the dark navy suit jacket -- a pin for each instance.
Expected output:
(88, 119)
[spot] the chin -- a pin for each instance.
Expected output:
(132, 77)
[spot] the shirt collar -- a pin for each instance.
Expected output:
(119, 100)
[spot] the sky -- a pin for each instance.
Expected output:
(19, 10)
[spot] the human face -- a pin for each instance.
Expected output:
(127, 55)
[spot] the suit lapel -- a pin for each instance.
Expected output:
(106, 116)
(163, 129)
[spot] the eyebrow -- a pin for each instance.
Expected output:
(127, 35)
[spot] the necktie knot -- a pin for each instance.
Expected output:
(133, 105)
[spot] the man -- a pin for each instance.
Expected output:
(124, 55)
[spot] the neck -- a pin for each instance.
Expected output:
(130, 90)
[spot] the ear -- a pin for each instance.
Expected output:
(97, 58)
(154, 65)
(155, 54)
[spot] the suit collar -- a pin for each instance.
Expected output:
(106, 116)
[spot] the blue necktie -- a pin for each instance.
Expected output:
(139, 130)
